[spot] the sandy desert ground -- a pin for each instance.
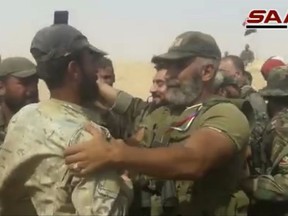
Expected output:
(136, 77)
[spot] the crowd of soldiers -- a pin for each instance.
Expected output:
(207, 143)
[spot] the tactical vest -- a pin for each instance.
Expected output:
(164, 128)
(246, 91)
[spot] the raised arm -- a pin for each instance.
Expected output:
(215, 142)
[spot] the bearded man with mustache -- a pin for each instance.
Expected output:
(34, 176)
(205, 140)
(18, 84)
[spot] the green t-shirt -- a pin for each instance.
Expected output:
(212, 194)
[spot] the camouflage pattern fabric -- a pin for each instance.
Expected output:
(274, 185)
(271, 188)
(33, 174)
(3, 129)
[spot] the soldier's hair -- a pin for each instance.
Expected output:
(237, 62)
(104, 63)
(159, 66)
(53, 71)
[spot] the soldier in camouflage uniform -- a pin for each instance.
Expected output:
(270, 189)
(247, 55)
(141, 115)
(105, 71)
(119, 126)
(203, 139)
(233, 66)
(18, 82)
(34, 179)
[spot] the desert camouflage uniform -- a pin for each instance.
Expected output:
(33, 170)
(18, 67)
(2, 127)
(34, 178)
(271, 188)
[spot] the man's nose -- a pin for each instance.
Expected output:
(152, 89)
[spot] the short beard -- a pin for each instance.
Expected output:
(89, 90)
(13, 105)
(186, 93)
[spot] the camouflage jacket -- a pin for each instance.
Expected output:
(273, 185)
(2, 127)
(34, 176)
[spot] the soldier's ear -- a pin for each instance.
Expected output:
(208, 73)
(73, 70)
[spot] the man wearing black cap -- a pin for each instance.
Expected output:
(33, 174)
(207, 139)
(18, 82)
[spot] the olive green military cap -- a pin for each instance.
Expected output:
(59, 40)
(17, 66)
(277, 83)
(190, 44)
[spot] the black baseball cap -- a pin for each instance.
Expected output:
(59, 40)
(190, 44)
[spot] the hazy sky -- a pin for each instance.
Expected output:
(137, 29)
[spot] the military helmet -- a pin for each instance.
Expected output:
(277, 83)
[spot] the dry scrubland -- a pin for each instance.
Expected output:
(135, 78)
